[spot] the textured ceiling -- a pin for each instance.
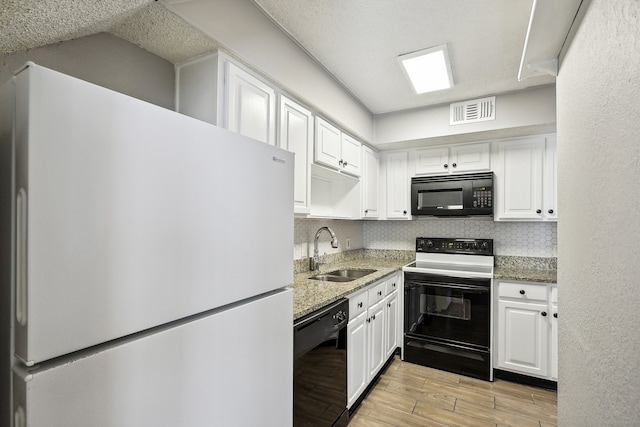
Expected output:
(26, 24)
(357, 41)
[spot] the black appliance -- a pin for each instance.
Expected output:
(447, 306)
(452, 195)
(320, 367)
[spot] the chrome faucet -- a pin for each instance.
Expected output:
(316, 261)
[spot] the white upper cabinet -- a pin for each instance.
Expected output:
(453, 159)
(295, 134)
(250, 105)
(214, 89)
(397, 185)
(526, 179)
(370, 187)
(337, 150)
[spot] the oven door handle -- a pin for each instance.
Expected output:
(455, 286)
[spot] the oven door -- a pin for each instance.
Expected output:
(448, 309)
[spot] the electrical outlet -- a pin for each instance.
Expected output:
(348, 243)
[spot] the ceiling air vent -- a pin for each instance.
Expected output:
(477, 110)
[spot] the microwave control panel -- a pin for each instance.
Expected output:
(482, 197)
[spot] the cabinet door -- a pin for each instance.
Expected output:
(375, 333)
(250, 105)
(519, 179)
(370, 174)
(398, 186)
(522, 337)
(357, 371)
(296, 135)
(432, 160)
(350, 155)
(470, 157)
(553, 351)
(391, 321)
(327, 145)
(551, 180)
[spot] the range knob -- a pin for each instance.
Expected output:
(340, 316)
(429, 244)
(484, 246)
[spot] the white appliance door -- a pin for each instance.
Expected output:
(130, 215)
(231, 368)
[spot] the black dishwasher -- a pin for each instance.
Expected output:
(320, 367)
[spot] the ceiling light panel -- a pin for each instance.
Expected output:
(428, 70)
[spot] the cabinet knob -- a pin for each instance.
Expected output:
(366, 211)
(454, 165)
(379, 293)
(539, 211)
(340, 162)
(369, 320)
(373, 317)
(550, 211)
(521, 291)
(359, 305)
(446, 166)
(345, 164)
(404, 212)
(555, 315)
(389, 304)
(544, 314)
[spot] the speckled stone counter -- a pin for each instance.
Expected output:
(526, 269)
(310, 295)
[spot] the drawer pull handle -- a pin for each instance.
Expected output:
(521, 291)
(544, 314)
(555, 315)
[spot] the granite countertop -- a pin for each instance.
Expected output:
(525, 274)
(310, 295)
(526, 269)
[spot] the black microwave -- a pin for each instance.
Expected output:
(453, 195)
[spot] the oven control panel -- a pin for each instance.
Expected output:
(454, 246)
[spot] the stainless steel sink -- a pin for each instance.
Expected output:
(331, 278)
(343, 275)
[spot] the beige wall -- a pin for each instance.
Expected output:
(598, 95)
(105, 60)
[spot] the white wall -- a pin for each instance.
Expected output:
(105, 60)
(598, 91)
(241, 28)
(526, 112)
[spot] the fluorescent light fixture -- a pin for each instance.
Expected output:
(428, 69)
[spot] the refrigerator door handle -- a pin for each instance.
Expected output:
(21, 257)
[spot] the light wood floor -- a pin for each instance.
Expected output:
(412, 395)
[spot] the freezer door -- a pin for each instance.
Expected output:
(231, 368)
(130, 215)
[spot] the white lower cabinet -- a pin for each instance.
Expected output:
(527, 332)
(371, 333)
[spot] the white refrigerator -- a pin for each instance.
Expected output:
(144, 258)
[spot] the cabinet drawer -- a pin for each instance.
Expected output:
(377, 292)
(392, 284)
(357, 304)
(523, 291)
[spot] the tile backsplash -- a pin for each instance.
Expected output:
(528, 239)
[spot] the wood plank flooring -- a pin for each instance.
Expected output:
(412, 395)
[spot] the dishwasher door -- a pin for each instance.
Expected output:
(320, 367)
